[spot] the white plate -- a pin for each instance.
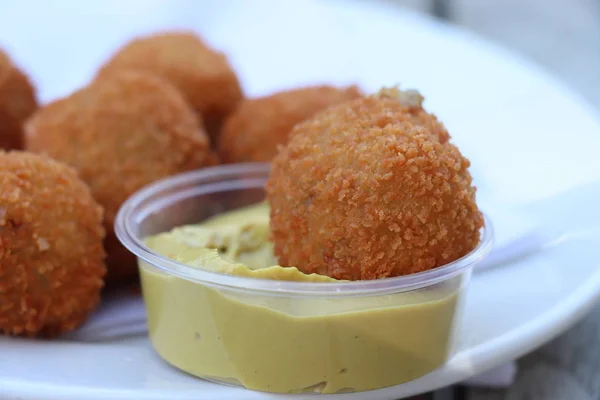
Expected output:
(529, 139)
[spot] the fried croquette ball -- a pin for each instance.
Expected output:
(202, 74)
(372, 189)
(259, 126)
(17, 103)
(51, 254)
(121, 133)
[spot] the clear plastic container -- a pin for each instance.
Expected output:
(284, 336)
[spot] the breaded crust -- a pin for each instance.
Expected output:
(259, 126)
(372, 189)
(121, 133)
(202, 74)
(51, 254)
(17, 102)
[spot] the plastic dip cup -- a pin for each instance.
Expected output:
(285, 336)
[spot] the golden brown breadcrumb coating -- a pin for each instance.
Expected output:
(51, 254)
(121, 133)
(372, 189)
(202, 74)
(17, 102)
(259, 126)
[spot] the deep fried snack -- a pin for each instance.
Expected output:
(259, 126)
(372, 189)
(121, 133)
(202, 74)
(51, 254)
(17, 102)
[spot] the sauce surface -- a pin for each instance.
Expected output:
(280, 343)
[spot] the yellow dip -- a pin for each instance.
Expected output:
(281, 343)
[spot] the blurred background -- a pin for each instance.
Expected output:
(561, 35)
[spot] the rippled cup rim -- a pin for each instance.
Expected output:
(125, 223)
